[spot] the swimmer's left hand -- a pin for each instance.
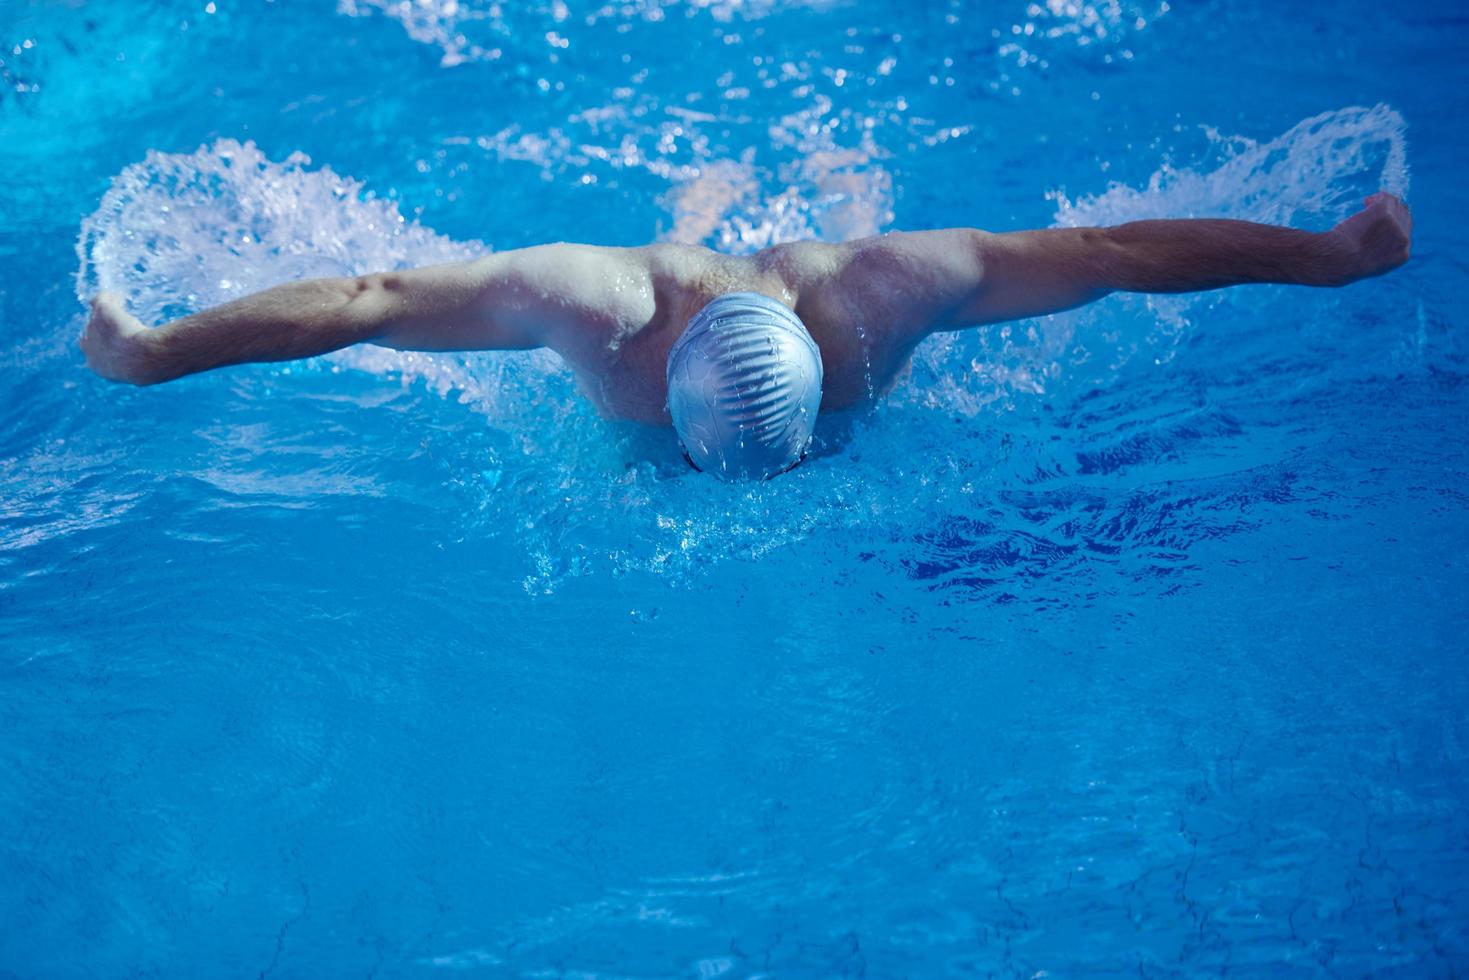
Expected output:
(1376, 239)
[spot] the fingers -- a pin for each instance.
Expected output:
(97, 322)
(86, 340)
(1396, 209)
(1395, 206)
(1383, 197)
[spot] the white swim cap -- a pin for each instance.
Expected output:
(744, 386)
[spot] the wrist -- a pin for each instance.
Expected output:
(148, 357)
(1338, 260)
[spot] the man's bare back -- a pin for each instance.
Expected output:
(614, 313)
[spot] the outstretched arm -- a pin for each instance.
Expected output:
(506, 301)
(962, 278)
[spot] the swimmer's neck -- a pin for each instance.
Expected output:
(622, 369)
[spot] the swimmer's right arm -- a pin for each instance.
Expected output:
(514, 300)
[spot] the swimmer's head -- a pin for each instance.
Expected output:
(744, 386)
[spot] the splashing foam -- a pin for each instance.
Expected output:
(819, 189)
(1319, 169)
(177, 232)
(830, 194)
(1313, 175)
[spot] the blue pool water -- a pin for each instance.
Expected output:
(1130, 641)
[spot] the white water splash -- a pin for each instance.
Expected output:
(1313, 175)
(180, 232)
(1316, 172)
(831, 195)
(816, 188)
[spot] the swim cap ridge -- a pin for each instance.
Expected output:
(744, 387)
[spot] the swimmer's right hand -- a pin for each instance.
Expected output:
(117, 345)
(1376, 239)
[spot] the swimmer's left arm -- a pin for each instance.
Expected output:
(963, 278)
(1044, 271)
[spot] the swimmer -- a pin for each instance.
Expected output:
(739, 354)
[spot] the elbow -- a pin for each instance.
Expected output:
(366, 301)
(373, 284)
(1110, 258)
